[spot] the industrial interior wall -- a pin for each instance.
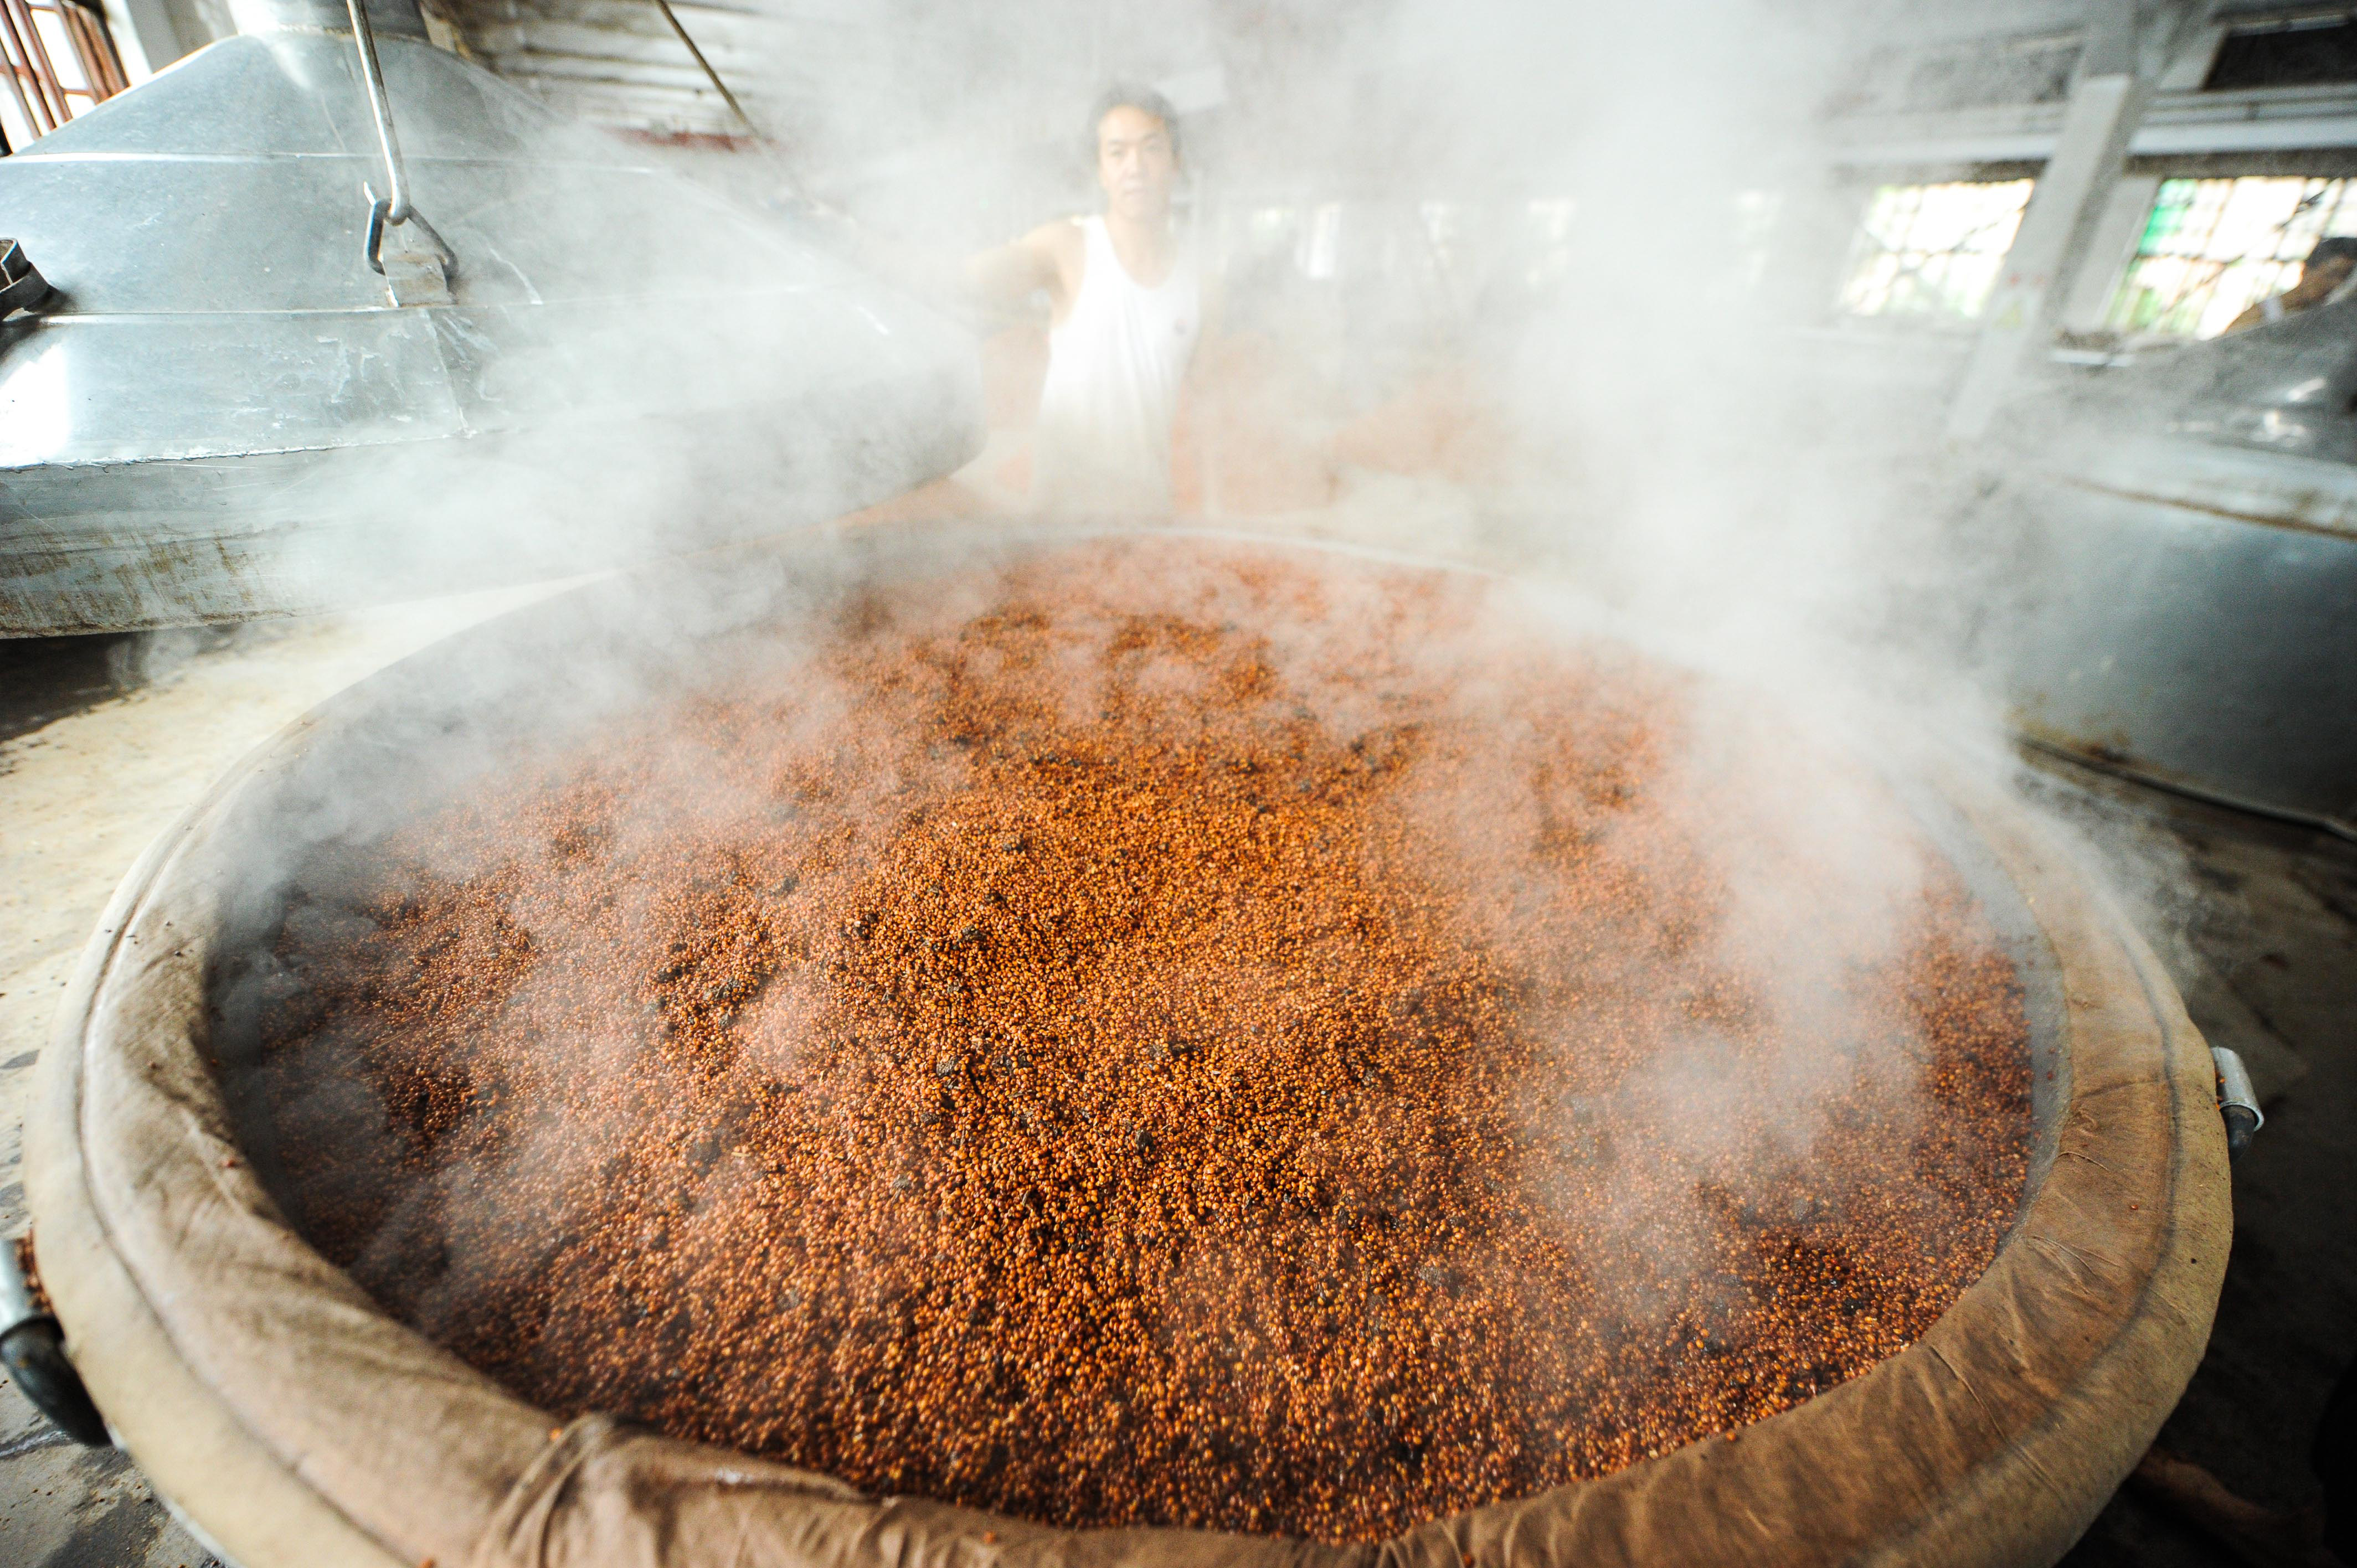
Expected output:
(296, 1426)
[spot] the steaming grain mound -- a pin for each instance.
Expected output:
(1162, 1038)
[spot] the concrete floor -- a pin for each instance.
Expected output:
(102, 742)
(2258, 924)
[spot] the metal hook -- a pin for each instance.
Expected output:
(381, 218)
(393, 208)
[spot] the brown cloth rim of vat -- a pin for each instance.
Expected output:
(294, 1424)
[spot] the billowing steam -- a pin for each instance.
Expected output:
(1502, 282)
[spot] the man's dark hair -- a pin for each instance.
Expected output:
(1129, 95)
(2338, 248)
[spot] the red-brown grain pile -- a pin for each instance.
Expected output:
(1163, 1037)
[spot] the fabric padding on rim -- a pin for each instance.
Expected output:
(297, 1425)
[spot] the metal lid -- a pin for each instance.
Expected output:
(214, 315)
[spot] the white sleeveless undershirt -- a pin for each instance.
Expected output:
(1103, 443)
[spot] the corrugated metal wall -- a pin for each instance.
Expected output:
(940, 117)
(616, 62)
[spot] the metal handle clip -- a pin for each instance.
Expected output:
(33, 1347)
(381, 218)
(2238, 1101)
(22, 286)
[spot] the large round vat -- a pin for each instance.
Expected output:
(292, 1420)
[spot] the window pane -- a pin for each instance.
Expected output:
(1933, 250)
(63, 57)
(44, 76)
(2213, 248)
(20, 130)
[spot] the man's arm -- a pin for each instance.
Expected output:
(1046, 258)
(995, 282)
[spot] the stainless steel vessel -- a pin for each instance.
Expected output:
(2167, 560)
(222, 408)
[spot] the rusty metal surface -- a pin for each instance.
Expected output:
(2301, 495)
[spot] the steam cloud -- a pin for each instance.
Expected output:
(1651, 431)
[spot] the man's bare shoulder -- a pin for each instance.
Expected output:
(1063, 250)
(1060, 238)
(1043, 258)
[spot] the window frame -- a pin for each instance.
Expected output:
(1870, 250)
(2271, 272)
(39, 94)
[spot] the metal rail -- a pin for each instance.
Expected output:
(710, 75)
(2312, 820)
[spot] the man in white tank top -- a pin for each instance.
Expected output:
(1127, 307)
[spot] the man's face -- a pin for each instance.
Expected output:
(1135, 164)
